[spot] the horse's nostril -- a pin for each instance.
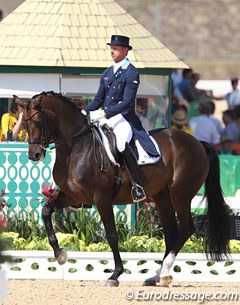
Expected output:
(34, 156)
(37, 156)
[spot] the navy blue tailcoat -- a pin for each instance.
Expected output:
(116, 94)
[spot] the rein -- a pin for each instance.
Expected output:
(79, 133)
(45, 143)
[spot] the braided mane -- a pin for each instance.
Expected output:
(52, 93)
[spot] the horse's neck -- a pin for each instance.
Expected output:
(69, 118)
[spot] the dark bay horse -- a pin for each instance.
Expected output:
(172, 183)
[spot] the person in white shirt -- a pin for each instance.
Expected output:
(233, 97)
(203, 127)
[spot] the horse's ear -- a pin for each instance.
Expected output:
(19, 101)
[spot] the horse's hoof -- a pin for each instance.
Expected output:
(149, 282)
(62, 257)
(112, 283)
(165, 280)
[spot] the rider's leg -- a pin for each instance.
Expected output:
(123, 132)
(130, 161)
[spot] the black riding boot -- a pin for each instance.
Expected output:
(130, 161)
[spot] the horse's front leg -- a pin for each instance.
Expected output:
(107, 216)
(60, 254)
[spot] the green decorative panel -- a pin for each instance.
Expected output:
(229, 175)
(22, 181)
(21, 178)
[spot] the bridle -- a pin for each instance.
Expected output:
(44, 142)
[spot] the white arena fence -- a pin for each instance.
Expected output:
(138, 266)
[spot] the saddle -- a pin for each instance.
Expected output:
(108, 140)
(111, 138)
(108, 132)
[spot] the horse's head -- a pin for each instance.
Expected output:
(36, 125)
(51, 117)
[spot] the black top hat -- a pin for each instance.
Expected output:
(118, 40)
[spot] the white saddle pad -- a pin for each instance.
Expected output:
(144, 158)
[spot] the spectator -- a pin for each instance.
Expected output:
(215, 120)
(177, 102)
(203, 127)
(226, 146)
(141, 109)
(231, 128)
(178, 89)
(186, 74)
(189, 91)
(180, 120)
(12, 122)
(177, 76)
(233, 97)
(194, 95)
(237, 118)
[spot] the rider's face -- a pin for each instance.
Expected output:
(118, 53)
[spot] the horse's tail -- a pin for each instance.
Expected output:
(216, 240)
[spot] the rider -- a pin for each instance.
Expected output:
(116, 96)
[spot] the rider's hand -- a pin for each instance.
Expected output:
(102, 122)
(84, 112)
(96, 115)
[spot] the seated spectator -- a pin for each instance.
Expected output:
(226, 146)
(180, 121)
(141, 109)
(231, 128)
(12, 124)
(203, 127)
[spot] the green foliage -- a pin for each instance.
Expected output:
(193, 245)
(147, 221)
(78, 230)
(25, 224)
(3, 258)
(142, 244)
(70, 242)
(78, 222)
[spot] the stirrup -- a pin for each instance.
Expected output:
(138, 193)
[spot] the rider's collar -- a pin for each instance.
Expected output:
(123, 64)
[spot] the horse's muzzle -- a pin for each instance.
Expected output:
(36, 155)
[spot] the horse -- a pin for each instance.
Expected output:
(83, 173)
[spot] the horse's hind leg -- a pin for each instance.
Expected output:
(168, 221)
(185, 229)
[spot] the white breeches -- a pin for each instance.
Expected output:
(122, 130)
